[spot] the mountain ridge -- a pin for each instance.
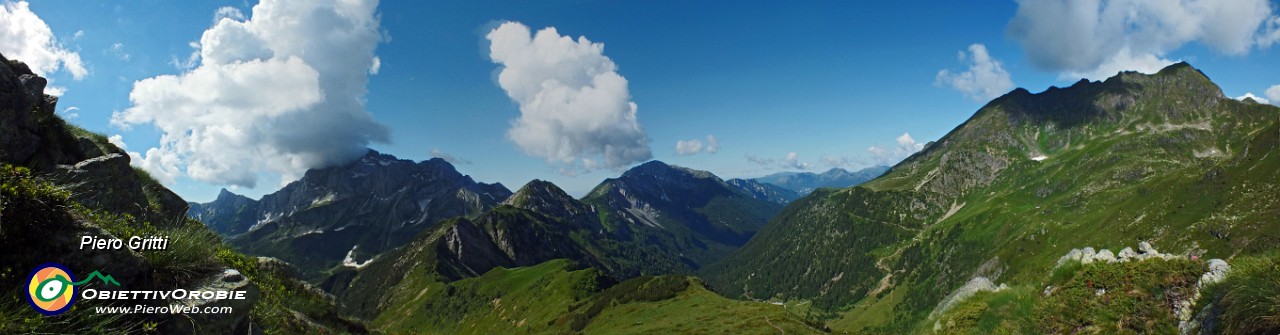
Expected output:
(373, 204)
(804, 183)
(1014, 187)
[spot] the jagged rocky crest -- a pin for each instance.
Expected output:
(349, 213)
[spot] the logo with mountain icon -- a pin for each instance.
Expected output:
(51, 289)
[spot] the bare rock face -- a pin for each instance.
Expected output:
(234, 322)
(372, 205)
(101, 182)
(19, 131)
(1104, 255)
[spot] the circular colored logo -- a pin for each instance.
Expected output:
(49, 289)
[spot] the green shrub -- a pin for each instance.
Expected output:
(1249, 297)
(1130, 297)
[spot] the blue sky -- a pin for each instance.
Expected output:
(823, 80)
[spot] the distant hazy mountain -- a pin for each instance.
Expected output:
(804, 183)
(765, 191)
(348, 213)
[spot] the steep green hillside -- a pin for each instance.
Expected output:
(1163, 158)
(686, 213)
(555, 298)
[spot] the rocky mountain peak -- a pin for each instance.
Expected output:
(547, 198)
(225, 195)
(656, 168)
(343, 214)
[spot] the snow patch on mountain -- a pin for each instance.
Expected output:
(350, 260)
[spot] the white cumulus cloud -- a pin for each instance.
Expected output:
(985, 79)
(1249, 95)
(277, 93)
(118, 141)
(575, 109)
(688, 147)
(892, 155)
(1097, 38)
(1273, 93)
(695, 146)
(26, 37)
(227, 13)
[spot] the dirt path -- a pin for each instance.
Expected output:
(886, 281)
(780, 330)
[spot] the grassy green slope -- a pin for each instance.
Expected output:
(697, 311)
(1163, 158)
(554, 297)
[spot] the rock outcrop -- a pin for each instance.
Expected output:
(96, 172)
(64, 184)
(234, 321)
(1087, 255)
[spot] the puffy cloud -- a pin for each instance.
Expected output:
(165, 166)
(1271, 34)
(190, 62)
(435, 152)
(890, 156)
(278, 93)
(689, 147)
(1273, 93)
(695, 146)
(793, 162)
(1096, 38)
(227, 13)
(26, 37)
(118, 141)
(986, 78)
(1249, 95)
(575, 109)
